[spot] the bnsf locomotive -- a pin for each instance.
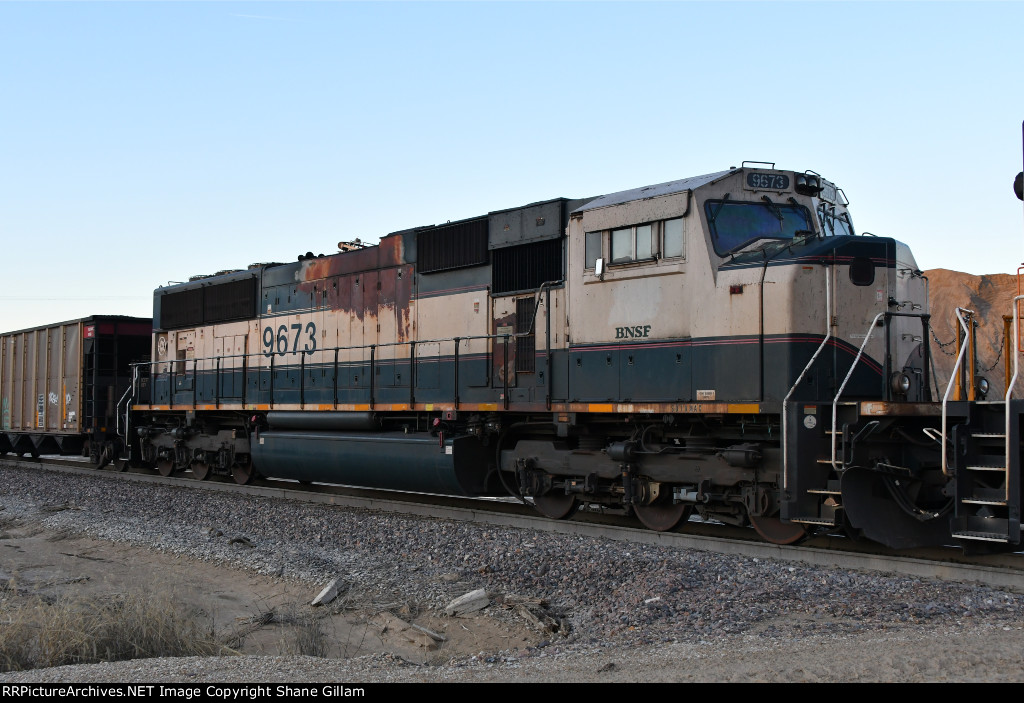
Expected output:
(726, 345)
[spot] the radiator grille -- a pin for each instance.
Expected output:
(526, 266)
(182, 309)
(224, 302)
(452, 246)
(230, 301)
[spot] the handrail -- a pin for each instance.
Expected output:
(128, 393)
(949, 386)
(122, 430)
(1012, 383)
(223, 363)
(785, 401)
(842, 387)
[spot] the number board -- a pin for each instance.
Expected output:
(766, 180)
(829, 192)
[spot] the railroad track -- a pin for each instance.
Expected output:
(1005, 571)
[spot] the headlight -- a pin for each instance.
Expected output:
(981, 386)
(900, 383)
(807, 184)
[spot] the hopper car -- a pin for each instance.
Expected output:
(60, 385)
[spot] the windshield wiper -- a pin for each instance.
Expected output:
(773, 207)
(849, 225)
(827, 219)
(718, 209)
(801, 236)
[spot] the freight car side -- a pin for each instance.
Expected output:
(60, 384)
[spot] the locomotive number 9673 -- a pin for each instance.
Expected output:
(279, 343)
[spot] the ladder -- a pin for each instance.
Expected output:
(987, 475)
(986, 457)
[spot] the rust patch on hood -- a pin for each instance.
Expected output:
(390, 252)
(363, 282)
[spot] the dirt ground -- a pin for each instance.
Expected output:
(272, 617)
(258, 614)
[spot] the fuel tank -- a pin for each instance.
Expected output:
(419, 463)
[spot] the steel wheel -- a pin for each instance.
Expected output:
(105, 457)
(556, 506)
(200, 470)
(774, 530)
(165, 467)
(663, 515)
(243, 475)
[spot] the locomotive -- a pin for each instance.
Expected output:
(725, 345)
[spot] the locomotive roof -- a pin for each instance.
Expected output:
(654, 191)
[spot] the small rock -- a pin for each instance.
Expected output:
(468, 603)
(329, 593)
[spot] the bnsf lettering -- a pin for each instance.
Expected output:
(635, 331)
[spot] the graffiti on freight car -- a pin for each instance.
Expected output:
(6, 411)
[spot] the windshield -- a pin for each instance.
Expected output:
(734, 224)
(833, 224)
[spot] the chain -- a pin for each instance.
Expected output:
(943, 345)
(999, 354)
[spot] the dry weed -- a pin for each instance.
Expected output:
(37, 634)
(307, 635)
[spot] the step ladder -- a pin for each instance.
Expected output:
(986, 458)
(827, 506)
(987, 475)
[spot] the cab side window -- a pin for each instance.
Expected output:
(650, 241)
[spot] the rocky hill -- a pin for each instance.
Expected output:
(991, 298)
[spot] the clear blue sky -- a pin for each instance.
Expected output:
(144, 142)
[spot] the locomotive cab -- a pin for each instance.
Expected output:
(724, 299)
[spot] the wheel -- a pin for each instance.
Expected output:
(663, 515)
(200, 470)
(774, 530)
(105, 457)
(165, 467)
(557, 506)
(243, 475)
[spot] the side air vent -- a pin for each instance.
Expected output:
(230, 301)
(527, 266)
(206, 305)
(452, 246)
(182, 309)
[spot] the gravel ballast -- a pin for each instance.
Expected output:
(630, 612)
